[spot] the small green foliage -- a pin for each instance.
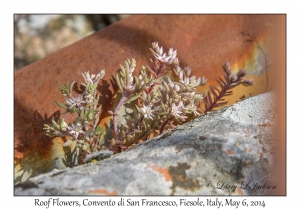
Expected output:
(157, 102)
(85, 129)
(56, 129)
(67, 89)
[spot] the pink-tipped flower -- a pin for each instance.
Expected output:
(76, 130)
(75, 102)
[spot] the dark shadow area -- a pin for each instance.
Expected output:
(32, 148)
(99, 21)
(71, 158)
(106, 97)
(107, 91)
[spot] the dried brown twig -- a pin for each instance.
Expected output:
(215, 97)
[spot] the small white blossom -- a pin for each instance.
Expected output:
(75, 101)
(92, 78)
(159, 55)
(148, 112)
(76, 129)
(177, 109)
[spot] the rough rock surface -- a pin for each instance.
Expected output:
(219, 153)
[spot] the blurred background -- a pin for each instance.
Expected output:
(36, 36)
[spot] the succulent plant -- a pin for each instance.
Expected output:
(158, 103)
(85, 130)
(162, 103)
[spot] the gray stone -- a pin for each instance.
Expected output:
(218, 153)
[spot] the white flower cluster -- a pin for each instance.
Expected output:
(91, 83)
(93, 78)
(163, 103)
(159, 54)
(185, 79)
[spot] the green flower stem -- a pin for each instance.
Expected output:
(115, 114)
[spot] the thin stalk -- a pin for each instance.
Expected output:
(164, 124)
(115, 114)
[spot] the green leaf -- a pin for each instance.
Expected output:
(118, 82)
(71, 87)
(129, 137)
(166, 86)
(83, 114)
(163, 113)
(62, 123)
(132, 97)
(55, 124)
(61, 105)
(122, 84)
